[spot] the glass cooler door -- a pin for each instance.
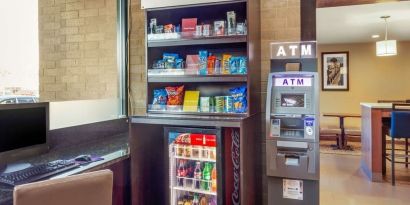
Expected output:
(195, 166)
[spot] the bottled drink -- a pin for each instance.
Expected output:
(206, 176)
(213, 177)
(197, 175)
(182, 172)
(196, 200)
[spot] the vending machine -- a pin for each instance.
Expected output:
(195, 166)
(292, 138)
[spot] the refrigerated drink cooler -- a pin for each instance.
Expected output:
(195, 166)
(292, 138)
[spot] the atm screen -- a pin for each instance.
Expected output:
(292, 100)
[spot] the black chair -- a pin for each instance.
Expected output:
(400, 128)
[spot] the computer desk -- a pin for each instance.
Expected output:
(115, 152)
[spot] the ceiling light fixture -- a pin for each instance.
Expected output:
(376, 36)
(386, 47)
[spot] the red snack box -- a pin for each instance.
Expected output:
(189, 27)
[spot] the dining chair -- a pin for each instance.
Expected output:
(94, 188)
(400, 129)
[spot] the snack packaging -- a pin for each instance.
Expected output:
(211, 65)
(170, 60)
(169, 28)
(160, 97)
(241, 29)
(179, 63)
(234, 65)
(243, 65)
(206, 30)
(219, 28)
(175, 95)
(218, 66)
(203, 56)
(198, 31)
(205, 104)
(192, 64)
(240, 103)
(231, 19)
(225, 64)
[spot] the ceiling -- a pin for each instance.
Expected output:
(356, 24)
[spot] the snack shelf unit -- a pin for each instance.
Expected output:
(150, 174)
(197, 41)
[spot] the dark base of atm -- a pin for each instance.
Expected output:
(275, 193)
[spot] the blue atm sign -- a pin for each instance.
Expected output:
(293, 82)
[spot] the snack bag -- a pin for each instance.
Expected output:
(234, 65)
(240, 103)
(211, 65)
(225, 64)
(243, 65)
(160, 97)
(203, 59)
(175, 95)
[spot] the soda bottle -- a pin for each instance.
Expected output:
(213, 177)
(196, 200)
(197, 175)
(206, 176)
(181, 172)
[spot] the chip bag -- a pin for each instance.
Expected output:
(175, 95)
(239, 95)
(160, 97)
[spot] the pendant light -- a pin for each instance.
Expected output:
(386, 47)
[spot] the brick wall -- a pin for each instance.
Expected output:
(138, 83)
(77, 49)
(280, 21)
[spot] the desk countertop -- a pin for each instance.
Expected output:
(377, 105)
(110, 148)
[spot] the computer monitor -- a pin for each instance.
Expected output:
(23, 131)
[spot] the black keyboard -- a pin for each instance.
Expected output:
(37, 172)
(6, 196)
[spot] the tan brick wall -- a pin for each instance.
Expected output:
(138, 83)
(280, 21)
(77, 49)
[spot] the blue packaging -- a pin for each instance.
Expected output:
(203, 59)
(239, 95)
(160, 97)
(243, 65)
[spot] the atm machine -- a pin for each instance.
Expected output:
(292, 138)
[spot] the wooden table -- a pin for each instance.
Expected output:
(342, 117)
(373, 141)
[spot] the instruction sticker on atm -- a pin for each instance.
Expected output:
(292, 189)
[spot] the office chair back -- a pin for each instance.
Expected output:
(93, 188)
(400, 121)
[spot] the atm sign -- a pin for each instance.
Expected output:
(293, 82)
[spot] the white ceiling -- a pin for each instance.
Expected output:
(355, 24)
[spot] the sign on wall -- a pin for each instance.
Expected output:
(293, 50)
(149, 4)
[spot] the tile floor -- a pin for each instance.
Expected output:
(343, 183)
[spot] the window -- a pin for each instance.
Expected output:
(19, 50)
(65, 53)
